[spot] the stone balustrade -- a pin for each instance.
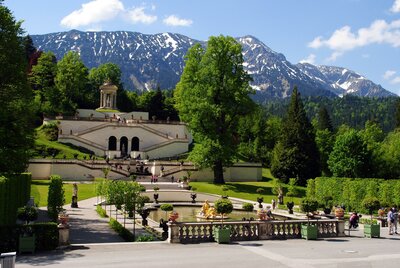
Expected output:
(196, 232)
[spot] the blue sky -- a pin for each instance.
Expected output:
(361, 35)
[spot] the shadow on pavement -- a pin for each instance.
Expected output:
(44, 258)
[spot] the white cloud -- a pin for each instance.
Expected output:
(395, 80)
(176, 21)
(310, 59)
(343, 39)
(137, 15)
(388, 74)
(396, 7)
(93, 12)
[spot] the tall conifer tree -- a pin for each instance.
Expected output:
(398, 114)
(296, 154)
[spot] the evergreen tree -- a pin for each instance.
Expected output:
(297, 156)
(211, 96)
(324, 121)
(16, 128)
(398, 113)
(324, 139)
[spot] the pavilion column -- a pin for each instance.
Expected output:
(101, 100)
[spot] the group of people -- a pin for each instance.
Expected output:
(392, 219)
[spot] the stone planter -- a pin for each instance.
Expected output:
(27, 244)
(222, 235)
(309, 232)
(372, 230)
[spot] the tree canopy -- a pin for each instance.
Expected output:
(212, 94)
(16, 129)
(350, 156)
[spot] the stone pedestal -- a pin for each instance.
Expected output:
(173, 233)
(7, 260)
(341, 228)
(63, 234)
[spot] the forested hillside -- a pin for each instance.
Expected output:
(350, 110)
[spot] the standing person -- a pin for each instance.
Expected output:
(172, 178)
(273, 204)
(390, 220)
(395, 218)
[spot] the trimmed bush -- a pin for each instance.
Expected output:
(350, 192)
(248, 207)
(46, 235)
(14, 193)
(27, 214)
(55, 199)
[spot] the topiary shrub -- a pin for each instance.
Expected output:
(223, 206)
(27, 214)
(55, 198)
(308, 205)
(166, 208)
(249, 207)
(46, 234)
(371, 204)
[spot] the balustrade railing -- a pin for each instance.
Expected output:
(254, 230)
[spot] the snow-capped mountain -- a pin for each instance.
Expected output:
(148, 61)
(344, 81)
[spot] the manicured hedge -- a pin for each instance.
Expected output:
(351, 192)
(121, 230)
(14, 193)
(46, 236)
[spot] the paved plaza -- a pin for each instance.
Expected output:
(94, 244)
(337, 252)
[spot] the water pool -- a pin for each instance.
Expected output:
(189, 213)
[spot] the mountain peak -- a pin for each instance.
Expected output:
(149, 60)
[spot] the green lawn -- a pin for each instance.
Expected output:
(247, 190)
(40, 188)
(44, 148)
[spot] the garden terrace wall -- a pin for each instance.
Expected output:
(255, 230)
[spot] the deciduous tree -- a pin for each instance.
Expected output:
(212, 94)
(16, 128)
(350, 156)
